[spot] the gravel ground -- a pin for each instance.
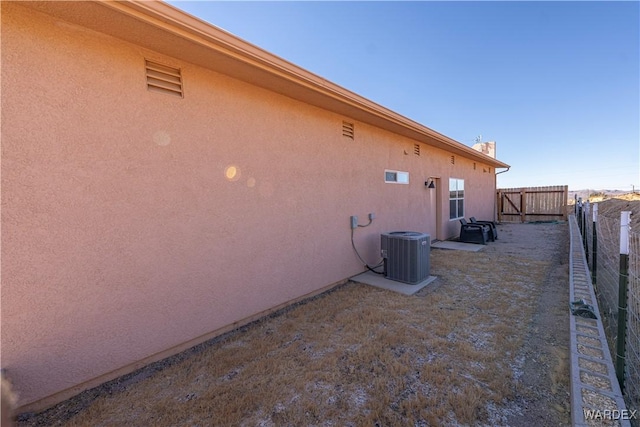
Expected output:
(485, 344)
(545, 399)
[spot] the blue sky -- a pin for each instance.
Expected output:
(555, 84)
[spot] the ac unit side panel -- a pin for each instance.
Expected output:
(407, 256)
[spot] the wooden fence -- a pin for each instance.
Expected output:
(532, 204)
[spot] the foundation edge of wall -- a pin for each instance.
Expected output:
(48, 402)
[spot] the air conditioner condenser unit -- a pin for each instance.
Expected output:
(406, 256)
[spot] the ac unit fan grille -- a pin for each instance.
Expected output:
(406, 255)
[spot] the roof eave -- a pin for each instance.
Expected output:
(198, 42)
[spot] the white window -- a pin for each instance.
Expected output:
(456, 198)
(396, 177)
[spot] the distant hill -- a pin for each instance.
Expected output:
(599, 195)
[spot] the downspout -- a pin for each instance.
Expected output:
(495, 205)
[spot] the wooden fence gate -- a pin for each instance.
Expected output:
(532, 204)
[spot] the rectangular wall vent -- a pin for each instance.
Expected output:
(161, 78)
(416, 149)
(347, 130)
(453, 160)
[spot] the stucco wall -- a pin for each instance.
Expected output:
(123, 232)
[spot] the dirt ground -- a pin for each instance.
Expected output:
(485, 344)
(613, 207)
(545, 399)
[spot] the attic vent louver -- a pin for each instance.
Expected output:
(416, 149)
(347, 130)
(453, 160)
(161, 78)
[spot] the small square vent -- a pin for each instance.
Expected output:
(161, 78)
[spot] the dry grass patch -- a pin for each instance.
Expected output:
(358, 355)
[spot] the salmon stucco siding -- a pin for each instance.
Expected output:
(134, 221)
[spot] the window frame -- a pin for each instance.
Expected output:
(456, 195)
(400, 177)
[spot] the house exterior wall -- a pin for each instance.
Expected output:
(125, 231)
